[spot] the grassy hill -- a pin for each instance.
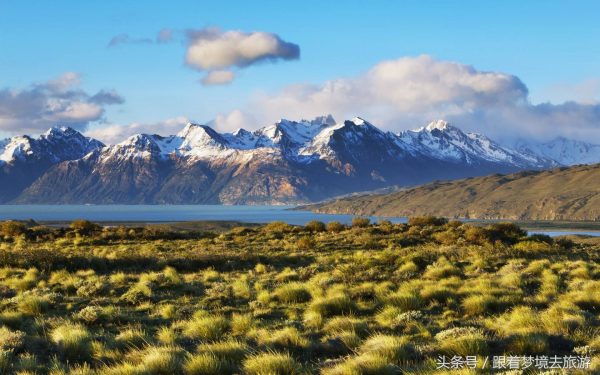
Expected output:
(287, 300)
(558, 194)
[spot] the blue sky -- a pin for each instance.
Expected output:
(551, 46)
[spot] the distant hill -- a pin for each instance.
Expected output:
(571, 193)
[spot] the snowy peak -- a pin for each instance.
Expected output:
(200, 136)
(440, 140)
(56, 145)
(441, 125)
(564, 151)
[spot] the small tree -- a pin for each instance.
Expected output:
(360, 222)
(12, 228)
(84, 226)
(335, 226)
(422, 221)
(315, 226)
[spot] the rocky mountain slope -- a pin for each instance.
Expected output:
(286, 162)
(24, 159)
(571, 193)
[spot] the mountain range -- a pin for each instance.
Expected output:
(287, 162)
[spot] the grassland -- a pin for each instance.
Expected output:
(276, 299)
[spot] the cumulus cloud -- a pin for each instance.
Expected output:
(211, 50)
(58, 101)
(232, 121)
(115, 133)
(218, 77)
(408, 92)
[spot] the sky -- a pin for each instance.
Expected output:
(510, 69)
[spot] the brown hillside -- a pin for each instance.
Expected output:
(558, 194)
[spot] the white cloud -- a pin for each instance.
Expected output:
(408, 92)
(211, 49)
(232, 121)
(218, 77)
(112, 134)
(58, 101)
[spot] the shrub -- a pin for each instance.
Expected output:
(89, 314)
(315, 226)
(271, 364)
(277, 227)
(335, 227)
(12, 228)
(292, 293)
(137, 293)
(360, 222)
(84, 226)
(422, 221)
(73, 340)
(11, 340)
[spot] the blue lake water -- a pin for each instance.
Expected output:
(168, 213)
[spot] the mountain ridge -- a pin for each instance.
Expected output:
(565, 193)
(288, 162)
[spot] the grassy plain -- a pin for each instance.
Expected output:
(276, 299)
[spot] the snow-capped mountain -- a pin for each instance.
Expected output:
(564, 151)
(286, 162)
(443, 141)
(23, 159)
(56, 145)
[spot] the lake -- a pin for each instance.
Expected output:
(170, 213)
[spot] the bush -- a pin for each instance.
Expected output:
(360, 222)
(315, 226)
(84, 226)
(421, 221)
(12, 228)
(11, 340)
(335, 227)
